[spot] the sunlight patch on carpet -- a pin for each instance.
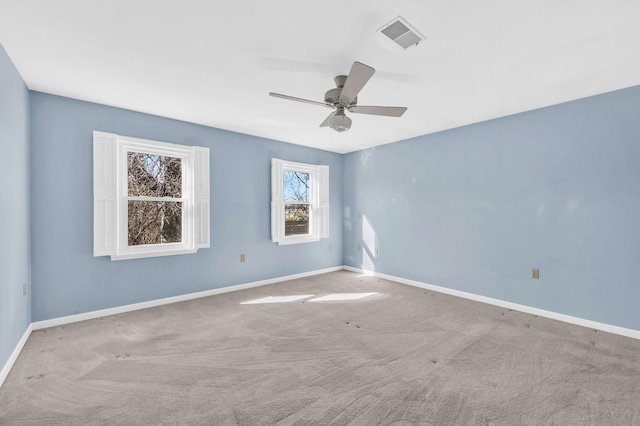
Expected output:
(277, 299)
(342, 296)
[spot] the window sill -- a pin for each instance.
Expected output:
(115, 257)
(297, 240)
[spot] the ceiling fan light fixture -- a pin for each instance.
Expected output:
(339, 122)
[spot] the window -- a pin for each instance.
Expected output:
(150, 198)
(299, 202)
(295, 193)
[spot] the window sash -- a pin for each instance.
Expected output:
(309, 189)
(316, 207)
(312, 235)
(293, 227)
(151, 172)
(127, 145)
(152, 224)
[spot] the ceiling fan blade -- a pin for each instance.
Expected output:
(325, 123)
(357, 78)
(379, 110)
(306, 101)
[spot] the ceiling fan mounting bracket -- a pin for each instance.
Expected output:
(340, 80)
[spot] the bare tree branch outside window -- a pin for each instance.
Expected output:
(157, 221)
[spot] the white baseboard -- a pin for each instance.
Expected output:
(627, 332)
(14, 355)
(38, 325)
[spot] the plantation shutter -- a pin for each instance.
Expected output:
(323, 207)
(104, 194)
(277, 201)
(201, 197)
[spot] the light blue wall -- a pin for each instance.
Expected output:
(15, 309)
(475, 208)
(472, 209)
(67, 279)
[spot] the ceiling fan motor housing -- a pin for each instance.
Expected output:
(332, 96)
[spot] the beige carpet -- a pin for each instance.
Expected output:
(405, 356)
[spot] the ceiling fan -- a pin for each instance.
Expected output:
(345, 97)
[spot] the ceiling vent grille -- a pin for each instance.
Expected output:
(402, 33)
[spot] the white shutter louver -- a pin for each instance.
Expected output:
(104, 194)
(277, 201)
(201, 197)
(323, 172)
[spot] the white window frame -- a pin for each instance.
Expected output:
(111, 197)
(318, 201)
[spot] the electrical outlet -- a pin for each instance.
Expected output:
(535, 274)
(330, 247)
(24, 289)
(359, 248)
(359, 216)
(376, 251)
(242, 258)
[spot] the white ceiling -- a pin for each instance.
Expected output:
(214, 63)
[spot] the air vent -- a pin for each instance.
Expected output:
(402, 33)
